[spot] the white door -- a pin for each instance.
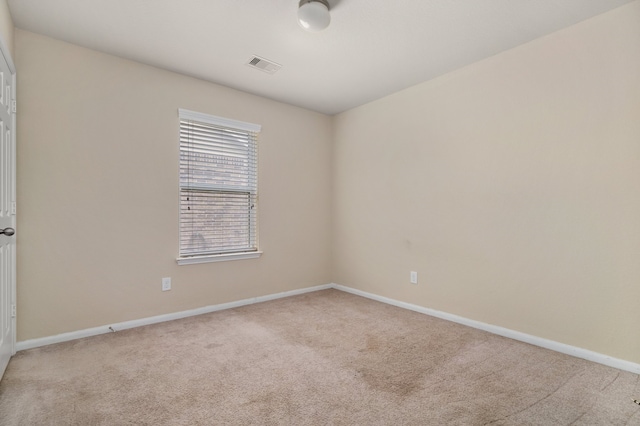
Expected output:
(7, 208)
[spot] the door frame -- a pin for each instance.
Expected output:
(6, 53)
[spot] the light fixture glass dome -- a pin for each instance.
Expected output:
(313, 15)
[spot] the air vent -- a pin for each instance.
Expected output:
(265, 65)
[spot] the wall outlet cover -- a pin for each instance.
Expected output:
(166, 284)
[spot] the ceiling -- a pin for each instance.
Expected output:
(372, 48)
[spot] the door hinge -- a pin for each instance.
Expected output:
(14, 208)
(13, 311)
(14, 106)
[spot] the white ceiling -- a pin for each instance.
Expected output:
(371, 49)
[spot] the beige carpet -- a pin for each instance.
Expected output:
(324, 358)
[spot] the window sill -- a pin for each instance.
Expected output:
(218, 258)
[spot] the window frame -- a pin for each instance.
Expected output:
(235, 126)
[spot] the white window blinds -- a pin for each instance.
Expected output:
(218, 185)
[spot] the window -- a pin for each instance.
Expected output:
(218, 188)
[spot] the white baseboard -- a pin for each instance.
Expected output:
(65, 337)
(515, 335)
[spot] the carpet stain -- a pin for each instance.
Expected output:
(402, 384)
(373, 344)
(390, 364)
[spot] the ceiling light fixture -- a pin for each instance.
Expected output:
(313, 15)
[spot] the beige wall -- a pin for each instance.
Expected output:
(6, 25)
(512, 186)
(98, 191)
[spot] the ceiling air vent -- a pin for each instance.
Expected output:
(265, 65)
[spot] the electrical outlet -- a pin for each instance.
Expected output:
(414, 277)
(166, 284)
